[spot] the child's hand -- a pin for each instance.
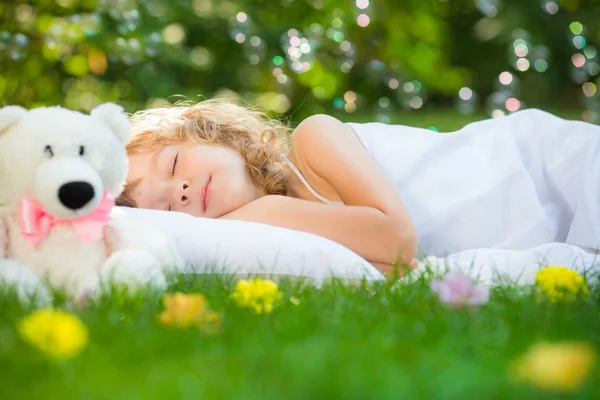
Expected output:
(391, 271)
(414, 264)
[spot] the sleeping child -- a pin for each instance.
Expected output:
(384, 191)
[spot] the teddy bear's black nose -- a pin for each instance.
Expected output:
(75, 195)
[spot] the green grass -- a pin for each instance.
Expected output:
(339, 342)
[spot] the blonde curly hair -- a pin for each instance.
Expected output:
(259, 139)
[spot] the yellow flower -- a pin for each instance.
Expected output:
(559, 367)
(560, 283)
(57, 334)
(258, 294)
(185, 310)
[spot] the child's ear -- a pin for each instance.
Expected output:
(114, 116)
(9, 115)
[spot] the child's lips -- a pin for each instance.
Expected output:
(206, 195)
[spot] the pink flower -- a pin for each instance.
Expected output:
(457, 290)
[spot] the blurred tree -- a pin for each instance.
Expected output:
(376, 57)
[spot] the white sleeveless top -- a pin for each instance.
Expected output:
(514, 182)
(305, 182)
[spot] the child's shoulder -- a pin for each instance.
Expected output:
(318, 137)
(318, 128)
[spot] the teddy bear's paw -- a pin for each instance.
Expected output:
(134, 269)
(26, 284)
(137, 235)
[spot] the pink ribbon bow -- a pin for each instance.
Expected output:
(35, 222)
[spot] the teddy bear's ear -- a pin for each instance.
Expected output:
(9, 115)
(114, 116)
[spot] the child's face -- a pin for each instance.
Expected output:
(198, 179)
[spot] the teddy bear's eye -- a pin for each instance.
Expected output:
(81, 150)
(48, 151)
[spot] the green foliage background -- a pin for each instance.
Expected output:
(413, 54)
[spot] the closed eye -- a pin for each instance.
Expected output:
(174, 165)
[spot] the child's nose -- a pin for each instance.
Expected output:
(181, 192)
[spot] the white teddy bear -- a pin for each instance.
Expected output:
(60, 171)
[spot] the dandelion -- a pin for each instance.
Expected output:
(185, 310)
(457, 290)
(559, 283)
(259, 295)
(55, 333)
(558, 367)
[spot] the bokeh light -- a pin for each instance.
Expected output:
(298, 49)
(24, 13)
(412, 95)
(416, 102)
(521, 48)
(272, 101)
(465, 93)
(506, 78)
(153, 42)
(201, 57)
(350, 96)
(550, 6)
(589, 89)
(466, 103)
(362, 4)
(255, 50)
(496, 104)
(590, 52)
(590, 116)
(240, 26)
(393, 83)
(363, 20)
(578, 60)
(384, 110)
(523, 64)
(576, 28)
(512, 104)
(540, 65)
(593, 68)
(498, 113)
(489, 8)
(97, 62)
(15, 45)
(579, 42)
(174, 34)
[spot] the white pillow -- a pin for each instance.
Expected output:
(252, 249)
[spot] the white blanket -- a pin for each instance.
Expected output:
(517, 182)
(498, 266)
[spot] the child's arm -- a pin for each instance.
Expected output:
(365, 230)
(374, 223)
